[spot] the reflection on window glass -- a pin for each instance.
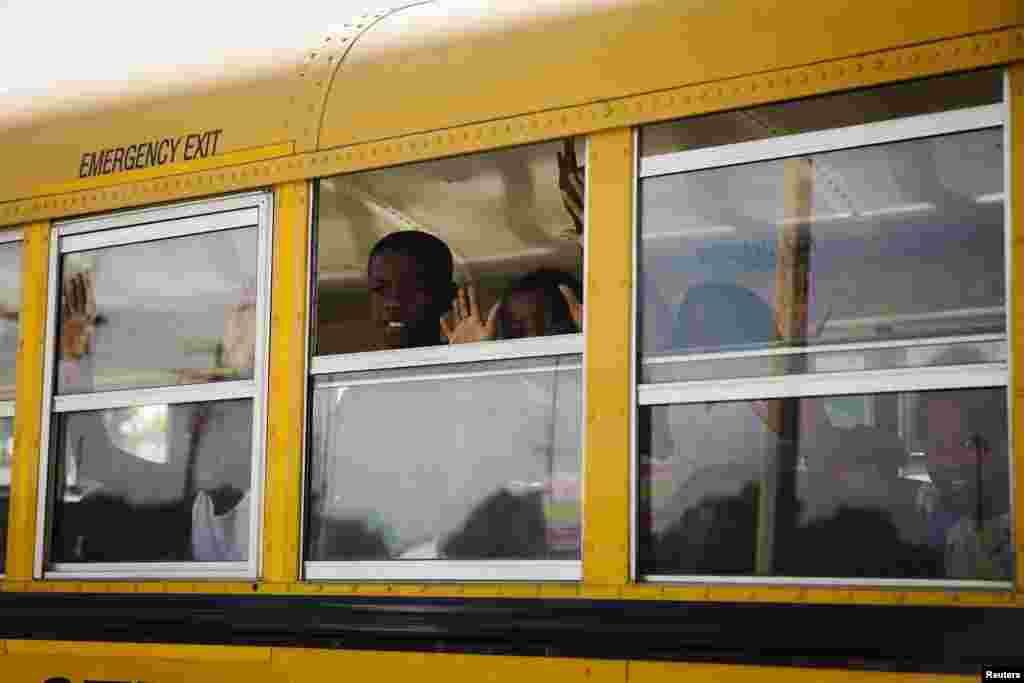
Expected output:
(926, 96)
(467, 249)
(10, 309)
(463, 462)
(687, 369)
(173, 311)
(154, 483)
(891, 241)
(902, 485)
(140, 431)
(6, 452)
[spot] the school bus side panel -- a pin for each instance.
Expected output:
(430, 67)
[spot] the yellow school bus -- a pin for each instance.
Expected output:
(693, 325)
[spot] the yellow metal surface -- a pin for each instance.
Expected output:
(656, 672)
(283, 499)
(608, 326)
(21, 530)
(197, 653)
(76, 662)
(503, 59)
(240, 157)
(37, 661)
(51, 153)
(314, 665)
(936, 42)
(836, 595)
(1015, 194)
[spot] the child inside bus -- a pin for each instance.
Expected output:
(410, 280)
(542, 303)
(710, 524)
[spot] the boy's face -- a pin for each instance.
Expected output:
(401, 297)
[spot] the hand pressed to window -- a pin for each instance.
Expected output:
(78, 316)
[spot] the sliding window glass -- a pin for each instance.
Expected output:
(157, 343)
(10, 311)
(822, 337)
(446, 375)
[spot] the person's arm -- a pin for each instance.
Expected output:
(570, 182)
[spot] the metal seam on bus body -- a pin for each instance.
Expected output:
(949, 55)
(29, 402)
(317, 72)
(322, 89)
(696, 593)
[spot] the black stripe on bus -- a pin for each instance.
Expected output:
(891, 638)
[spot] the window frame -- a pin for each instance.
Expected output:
(7, 408)
(570, 348)
(248, 210)
(811, 383)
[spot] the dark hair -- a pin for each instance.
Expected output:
(740, 316)
(545, 281)
(504, 525)
(433, 255)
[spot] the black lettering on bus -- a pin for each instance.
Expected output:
(150, 154)
(190, 149)
(85, 168)
(162, 159)
(119, 159)
(216, 139)
(129, 157)
(174, 148)
(108, 161)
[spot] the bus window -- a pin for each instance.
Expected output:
(854, 509)
(173, 311)
(10, 308)
(799, 294)
(158, 356)
(446, 394)
(467, 461)
(498, 232)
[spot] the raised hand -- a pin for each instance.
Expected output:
(570, 182)
(464, 323)
(78, 316)
(575, 307)
(240, 335)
